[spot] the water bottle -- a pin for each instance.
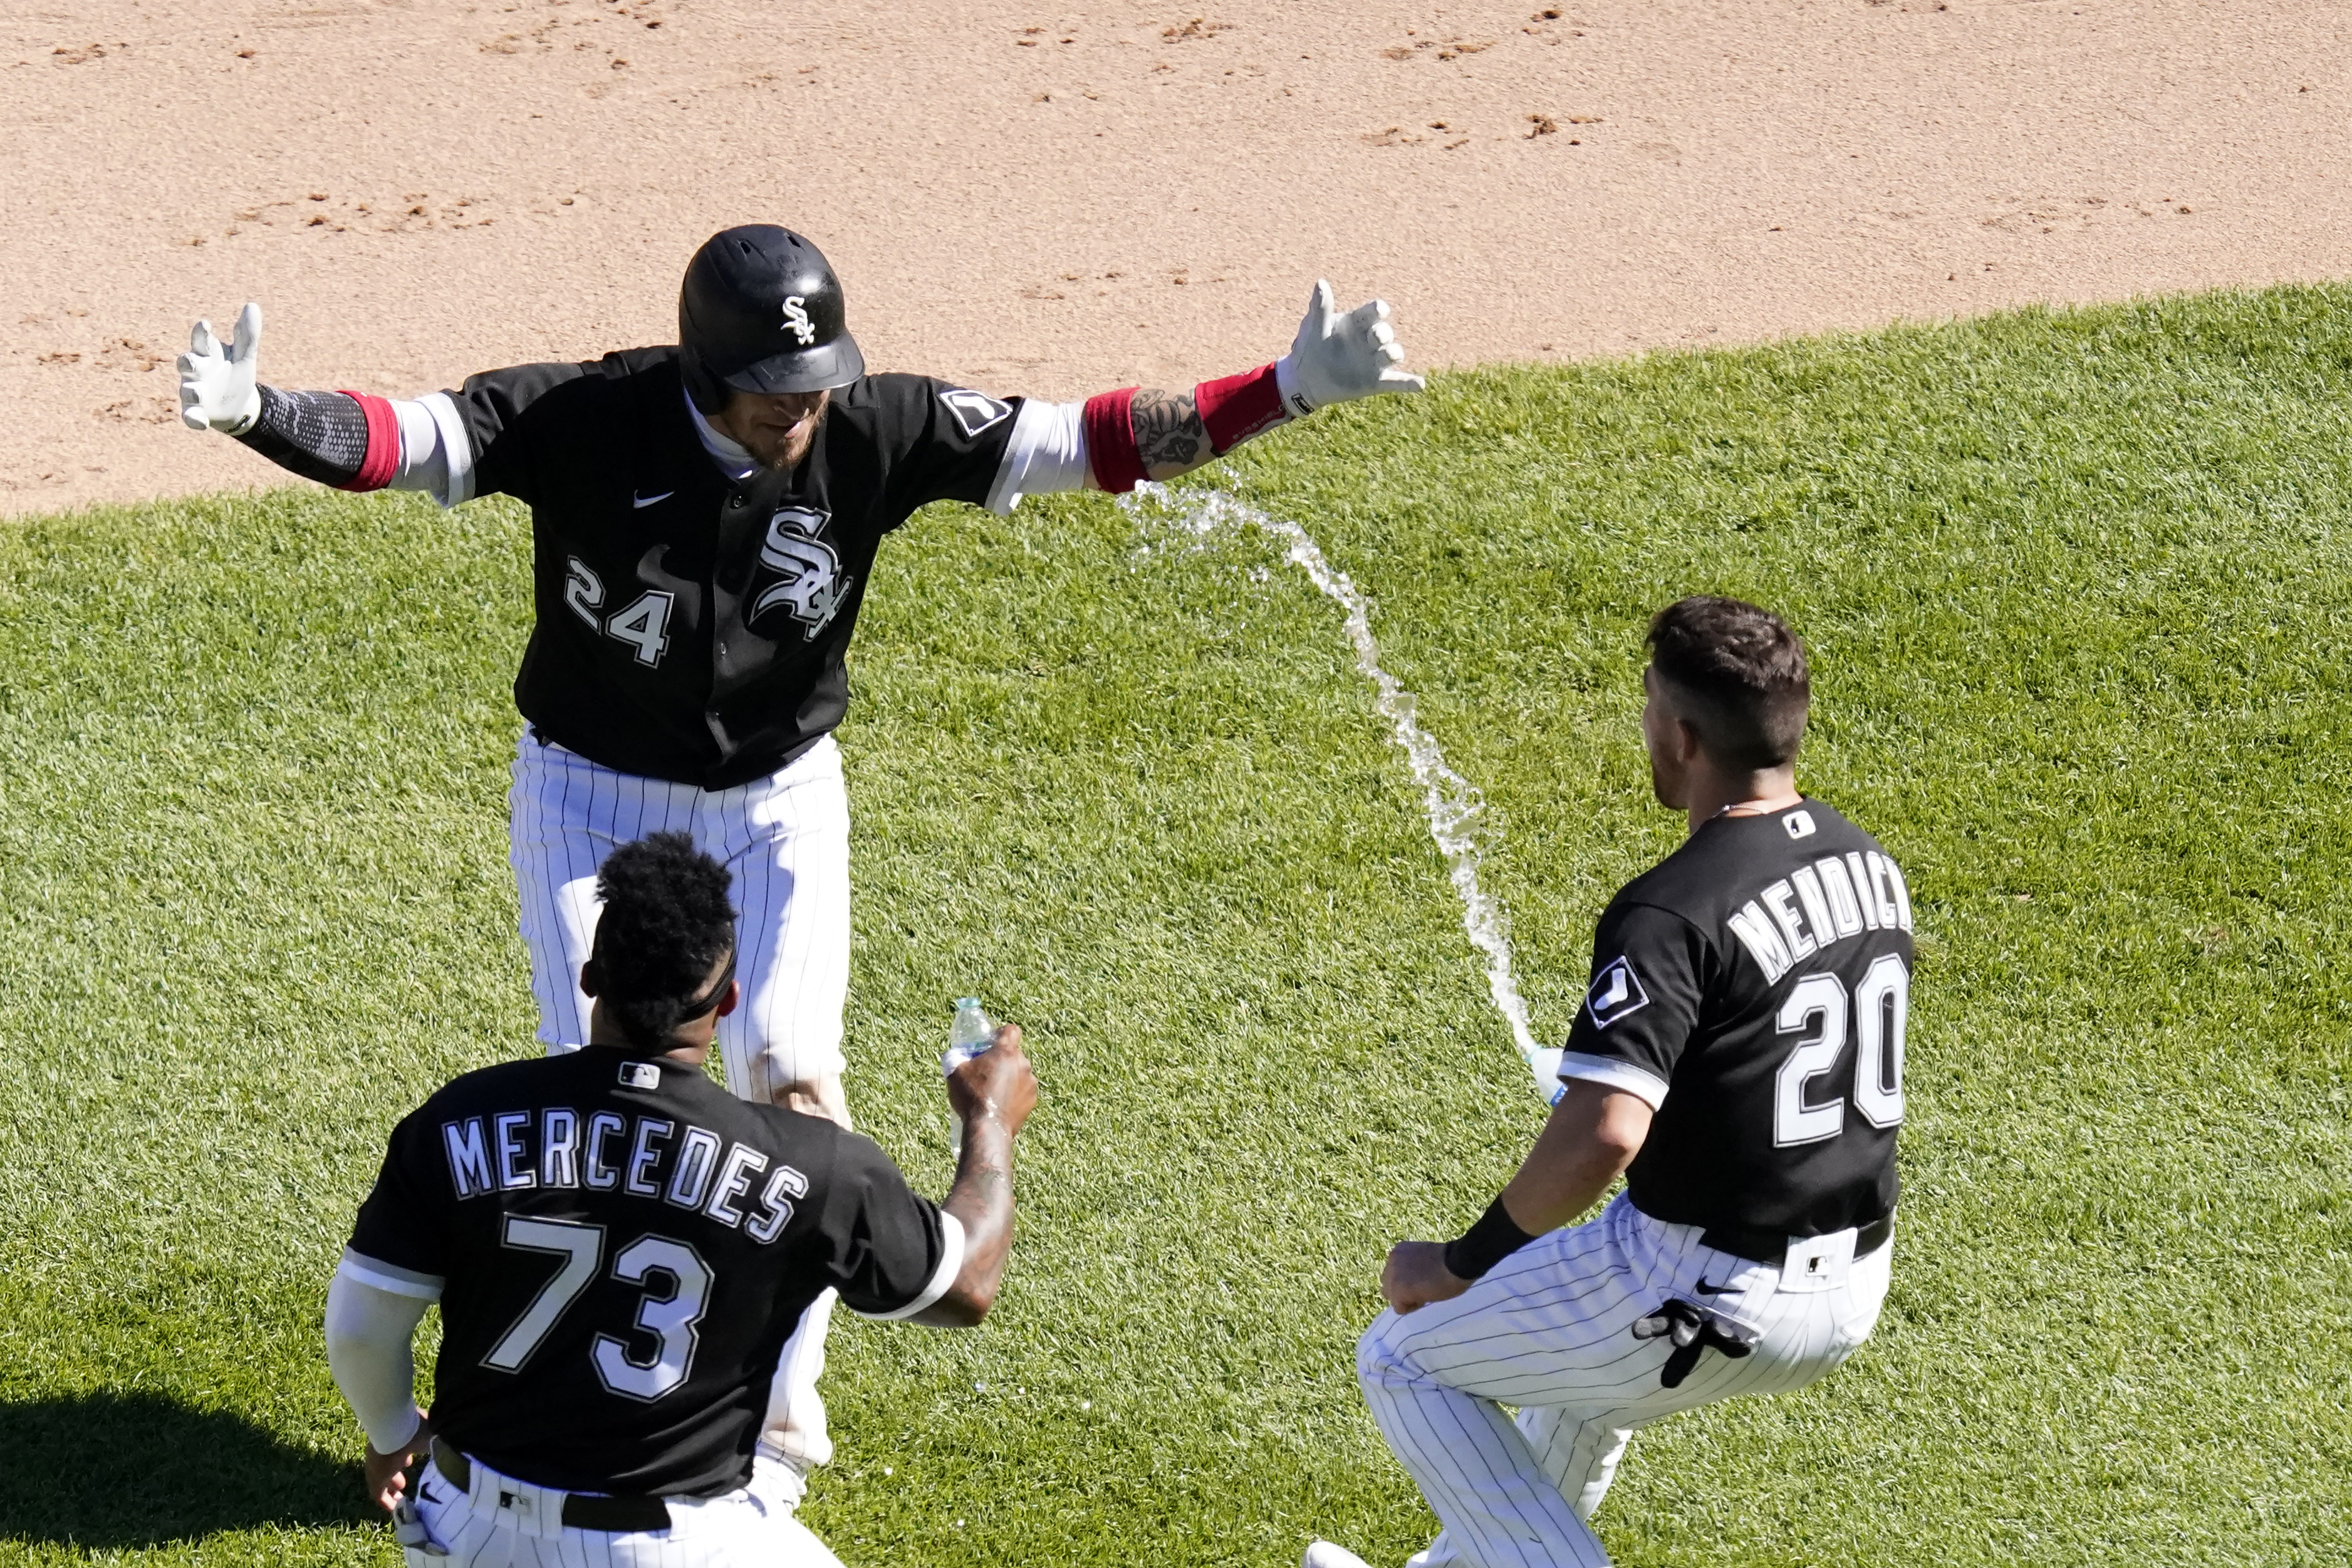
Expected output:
(968, 1036)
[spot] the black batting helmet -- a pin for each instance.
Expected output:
(761, 311)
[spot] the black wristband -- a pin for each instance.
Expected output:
(1494, 1237)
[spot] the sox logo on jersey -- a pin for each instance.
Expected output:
(1616, 993)
(814, 583)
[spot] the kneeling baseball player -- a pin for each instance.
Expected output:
(620, 1249)
(705, 518)
(1739, 1058)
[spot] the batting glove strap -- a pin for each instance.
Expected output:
(340, 439)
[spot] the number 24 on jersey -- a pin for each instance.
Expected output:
(644, 625)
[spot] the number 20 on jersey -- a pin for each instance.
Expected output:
(1819, 1011)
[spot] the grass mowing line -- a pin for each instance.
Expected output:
(1451, 803)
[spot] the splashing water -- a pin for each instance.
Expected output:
(1451, 803)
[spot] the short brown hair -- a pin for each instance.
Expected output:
(1741, 672)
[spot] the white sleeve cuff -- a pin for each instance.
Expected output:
(445, 470)
(420, 447)
(1046, 453)
(950, 1265)
(387, 1278)
(1640, 1082)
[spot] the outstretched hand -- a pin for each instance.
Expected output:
(1337, 358)
(216, 389)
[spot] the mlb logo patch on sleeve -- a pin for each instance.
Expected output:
(975, 411)
(640, 1075)
(1616, 992)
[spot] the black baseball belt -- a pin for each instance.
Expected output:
(582, 1510)
(1772, 1246)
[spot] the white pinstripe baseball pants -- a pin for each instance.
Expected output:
(505, 1523)
(1550, 1329)
(786, 839)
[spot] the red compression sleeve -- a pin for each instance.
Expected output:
(1112, 452)
(1239, 406)
(383, 459)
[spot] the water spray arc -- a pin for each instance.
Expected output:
(1450, 803)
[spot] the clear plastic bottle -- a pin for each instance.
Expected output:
(968, 1036)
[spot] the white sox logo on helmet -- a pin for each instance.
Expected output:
(812, 585)
(797, 318)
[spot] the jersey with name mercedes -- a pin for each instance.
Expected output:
(1753, 988)
(622, 1248)
(691, 626)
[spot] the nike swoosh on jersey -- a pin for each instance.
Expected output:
(648, 501)
(1707, 1289)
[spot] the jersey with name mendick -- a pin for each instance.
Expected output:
(1753, 987)
(622, 1248)
(691, 626)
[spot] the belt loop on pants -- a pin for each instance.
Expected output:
(582, 1510)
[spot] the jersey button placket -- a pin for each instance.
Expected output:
(737, 500)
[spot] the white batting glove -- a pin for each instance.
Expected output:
(1336, 359)
(216, 389)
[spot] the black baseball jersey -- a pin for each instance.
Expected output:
(1753, 987)
(622, 1248)
(691, 626)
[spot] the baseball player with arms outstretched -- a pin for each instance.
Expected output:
(705, 522)
(620, 1249)
(1739, 1059)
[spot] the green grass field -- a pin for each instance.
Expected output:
(2079, 591)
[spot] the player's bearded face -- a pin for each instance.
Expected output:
(774, 428)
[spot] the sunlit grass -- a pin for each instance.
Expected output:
(2076, 589)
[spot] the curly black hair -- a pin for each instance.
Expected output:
(666, 922)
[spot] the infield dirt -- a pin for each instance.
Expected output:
(1051, 202)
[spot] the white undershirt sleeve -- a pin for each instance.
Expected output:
(1046, 453)
(372, 1311)
(435, 456)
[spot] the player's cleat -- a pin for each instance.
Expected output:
(1323, 1554)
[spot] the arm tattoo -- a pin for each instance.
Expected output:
(1169, 435)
